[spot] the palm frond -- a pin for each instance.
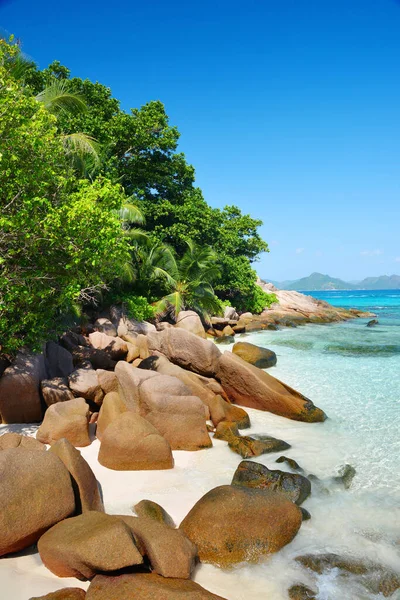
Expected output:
(58, 99)
(131, 214)
(173, 301)
(84, 151)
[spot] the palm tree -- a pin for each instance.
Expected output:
(189, 283)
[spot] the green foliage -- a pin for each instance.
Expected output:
(136, 307)
(61, 239)
(256, 302)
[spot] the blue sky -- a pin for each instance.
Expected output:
(288, 108)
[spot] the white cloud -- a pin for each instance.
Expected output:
(376, 252)
(299, 250)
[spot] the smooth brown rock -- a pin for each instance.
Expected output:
(111, 408)
(248, 446)
(64, 594)
(186, 350)
(190, 321)
(228, 331)
(107, 380)
(249, 386)
(146, 586)
(170, 552)
(68, 420)
(56, 390)
(255, 475)
(130, 379)
(220, 410)
(130, 443)
(88, 544)
(35, 493)
(179, 417)
(86, 489)
(19, 390)
(197, 385)
(230, 525)
(152, 510)
(85, 384)
(17, 440)
(115, 347)
(255, 355)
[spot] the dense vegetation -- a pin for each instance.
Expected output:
(95, 199)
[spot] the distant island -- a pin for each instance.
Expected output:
(319, 282)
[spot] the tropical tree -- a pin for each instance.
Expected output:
(189, 283)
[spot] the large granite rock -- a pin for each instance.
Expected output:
(230, 524)
(146, 586)
(115, 347)
(68, 420)
(255, 475)
(111, 408)
(107, 380)
(35, 493)
(255, 355)
(17, 440)
(248, 446)
(19, 389)
(58, 361)
(130, 379)
(88, 544)
(186, 350)
(169, 551)
(190, 321)
(249, 386)
(130, 443)
(85, 384)
(56, 390)
(220, 410)
(86, 489)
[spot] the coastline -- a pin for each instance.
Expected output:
(176, 492)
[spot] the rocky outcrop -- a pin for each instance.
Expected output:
(230, 524)
(86, 489)
(256, 476)
(104, 325)
(167, 403)
(190, 321)
(107, 380)
(146, 586)
(249, 386)
(255, 355)
(301, 592)
(186, 350)
(220, 410)
(35, 493)
(169, 551)
(68, 420)
(130, 443)
(17, 440)
(88, 544)
(19, 389)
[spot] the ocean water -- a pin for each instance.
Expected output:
(352, 372)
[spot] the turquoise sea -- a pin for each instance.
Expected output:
(353, 373)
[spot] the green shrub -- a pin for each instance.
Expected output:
(137, 307)
(256, 301)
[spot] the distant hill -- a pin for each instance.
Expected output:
(319, 282)
(384, 282)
